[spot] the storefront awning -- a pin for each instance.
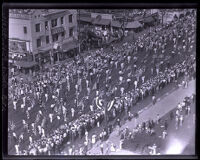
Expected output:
(116, 24)
(25, 64)
(57, 30)
(148, 20)
(104, 22)
(134, 24)
(69, 46)
(86, 19)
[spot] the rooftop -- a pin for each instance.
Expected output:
(27, 13)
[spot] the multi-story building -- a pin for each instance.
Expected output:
(43, 30)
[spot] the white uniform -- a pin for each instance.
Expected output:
(135, 83)
(17, 149)
(30, 140)
(92, 108)
(93, 139)
(46, 96)
(72, 110)
(51, 117)
(15, 104)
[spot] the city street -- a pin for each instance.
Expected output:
(70, 105)
(164, 105)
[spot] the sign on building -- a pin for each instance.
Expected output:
(103, 16)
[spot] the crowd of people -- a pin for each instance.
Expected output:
(148, 128)
(81, 94)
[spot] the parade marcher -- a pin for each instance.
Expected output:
(17, 149)
(153, 149)
(72, 112)
(15, 103)
(158, 119)
(164, 134)
(101, 147)
(112, 148)
(181, 120)
(154, 99)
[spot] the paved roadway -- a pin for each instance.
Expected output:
(166, 103)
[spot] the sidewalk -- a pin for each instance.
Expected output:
(162, 107)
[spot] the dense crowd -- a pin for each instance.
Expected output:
(49, 92)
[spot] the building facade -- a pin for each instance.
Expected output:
(43, 29)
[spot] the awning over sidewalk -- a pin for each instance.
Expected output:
(116, 24)
(149, 19)
(134, 24)
(101, 22)
(69, 46)
(86, 19)
(25, 64)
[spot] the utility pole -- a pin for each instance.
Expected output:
(79, 45)
(163, 13)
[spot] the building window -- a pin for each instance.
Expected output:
(70, 18)
(46, 25)
(55, 37)
(62, 34)
(47, 39)
(61, 20)
(39, 43)
(71, 32)
(25, 30)
(54, 22)
(37, 27)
